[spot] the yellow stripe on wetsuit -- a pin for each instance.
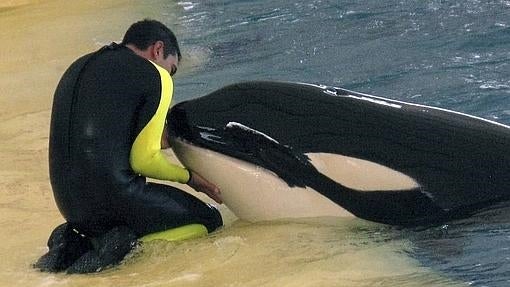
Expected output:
(146, 157)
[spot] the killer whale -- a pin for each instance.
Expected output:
(280, 150)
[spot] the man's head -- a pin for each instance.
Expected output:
(154, 41)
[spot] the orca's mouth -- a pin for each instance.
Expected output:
(232, 138)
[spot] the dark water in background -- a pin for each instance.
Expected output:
(451, 54)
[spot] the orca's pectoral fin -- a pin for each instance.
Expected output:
(283, 160)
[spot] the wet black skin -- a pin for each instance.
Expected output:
(459, 162)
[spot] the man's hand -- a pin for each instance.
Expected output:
(200, 184)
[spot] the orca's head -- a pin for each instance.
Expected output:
(258, 177)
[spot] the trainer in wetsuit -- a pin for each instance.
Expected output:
(106, 136)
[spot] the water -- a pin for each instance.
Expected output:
(452, 54)
(476, 249)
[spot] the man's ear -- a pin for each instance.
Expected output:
(158, 49)
(154, 51)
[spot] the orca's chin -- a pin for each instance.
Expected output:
(251, 192)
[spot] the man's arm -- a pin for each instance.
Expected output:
(146, 157)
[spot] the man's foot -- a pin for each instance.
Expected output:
(65, 246)
(109, 249)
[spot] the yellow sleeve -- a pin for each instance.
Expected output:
(146, 157)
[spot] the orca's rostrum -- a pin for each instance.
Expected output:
(287, 150)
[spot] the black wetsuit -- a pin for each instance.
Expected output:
(101, 105)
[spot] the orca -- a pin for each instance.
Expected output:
(289, 150)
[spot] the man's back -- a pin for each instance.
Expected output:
(101, 104)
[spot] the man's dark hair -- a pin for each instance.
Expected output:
(144, 33)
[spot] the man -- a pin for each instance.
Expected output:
(106, 135)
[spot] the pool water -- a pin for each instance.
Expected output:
(451, 54)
